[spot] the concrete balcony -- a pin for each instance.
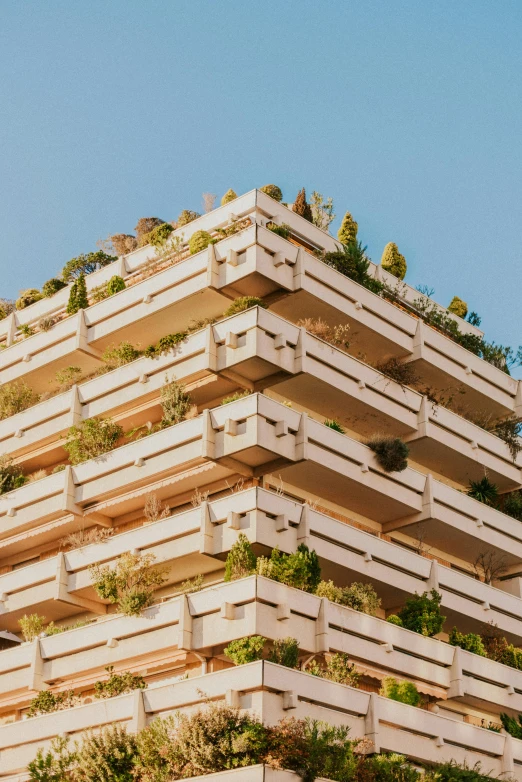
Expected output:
(257, 349)
(205, 622)
(273, 692)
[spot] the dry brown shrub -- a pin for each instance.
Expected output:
(335, 335)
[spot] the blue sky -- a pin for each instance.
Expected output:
(409, 114)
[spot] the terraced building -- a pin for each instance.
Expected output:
(285, 462)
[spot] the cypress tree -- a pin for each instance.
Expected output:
(82, 302)
(71, 304)
(302, 207)
(392, 261)
(230, 195)
(347, 233)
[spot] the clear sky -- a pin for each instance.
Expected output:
(408, 113)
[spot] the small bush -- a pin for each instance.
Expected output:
(245, 650)
(241, 560)
(300, 569)
(159, 235)
(392, 261)
(484, 491)
(511, 725)
(229, 196)
(404, 692)
(335, 335)
(338, 669)
(186, 217)
(360, 597)
(67, 377)
(470, 642)
(28, 297)
(353, 262)
(115, 285)
(335, 425)
(458, 307)
(395, 369)
(124, 243)
(175, 403)
(391, 453)
(78, 299)
(273, 191)
(235, 397)
(85, 264)
(46, 323)
(31, 626)
(16, 397)
(283, 230)
(52, 286)
(244, 303)
(512, 504)
(46, 702)
(199, 241)
(119, 355)
(130, 583)
(347, 233)
(144, 228)
(91, 438)
(11, 475)
(6, 307)
(421, 614)
(118, 684)
(510, 431)
(302, 207)
(285, 651)
(393, 619)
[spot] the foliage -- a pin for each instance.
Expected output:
(154, 510)
(165, 344)
(192, 585)
(299, 569)
(78, 299)
(452, 772)
(359, 596)
(46, 323)
(67, 377)
(510, 431)
(11, 475)
(85, 537)
(338, 669)
(52, 765)
(421, 613)
(302, 207)
(484, 491)
(91, 438)
(353, 262)
(245, 650)
(512, 504)
(109, 288)
(322, 210)
(28, 297)
(403, 373)
(124, 243)
(130, 583)
(144, 228)
(198, 241)
(387, 768)
(52, 286)
(391, 453)
(85, 264)
(118, 684)
(335, 335)
(6, 307)
(186, 217)
(32, 626)
(347, 233)
(458, 307)
(46, 702)
(511, 725)
(285, 651)
(229, 196)
(273, 191)
(16, 397)
(404, 691)
(282, 230)
(335, 425)
(159, 235)
(108, 755)
(235, 397)
(175, 403)
(392, 261)
(241, 560)
(243, 303)
(471, 642)
(118, 355)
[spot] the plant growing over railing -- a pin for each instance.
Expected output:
(85, 264)
(52, 286)
(118, 355)
(165, 344)
(243, 303)
(359, 596)
(199, 241)
(91, 438)
(421, 613)
(273, 191)
(130, 583)
(31, 625)
(335, 335)
(46, 702)
(245, 650)
(109, 288)
(404, 691)
(391, 452)
(282, 230)
(28, 297)
(471, 642)
(16, 397)
(510, 431)
(300, 569)
(241, 560)
(335, 425)
(511, 725)
(234, 397)
(118, 684)
(11, 475)
(512, 504)
(175, 403)
(67, 377)
(338, 668)
(484, 491)
(285, 651)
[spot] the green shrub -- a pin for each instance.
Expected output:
(16, 397)
(186, 217)
(421, 614)
(245, 650)
(241, 560)
(392, 261)
(512, 503)
(119, 355)
(91, 438)
(512, 656)
(458, 307)
(285, 651)
(198, 241)
(388, 768)
(510, 431)
(28, 297)
(46, 702)
(511, 725)
(338, 669)
(335, 425)
(282, 230)
(302, 207)
(404, 691)
(67, 377)
(26, 330)
(46, 323)
(11, 475)
(243, 303)
(235, 397)
(347, 233)
(130, 583)
(115, 285)
(175, 403)
(300, 569)
(52, 286)
(159, 235)
(393, 619)
(144, 228)
(118, 684)
(452, 772)
(85, 264)
(469, 641)
(78, 299)
(229, 196)
(273, 191)
(353, 262)
(360, 597)
(484, 491)
(391, 453)
(31, 626)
